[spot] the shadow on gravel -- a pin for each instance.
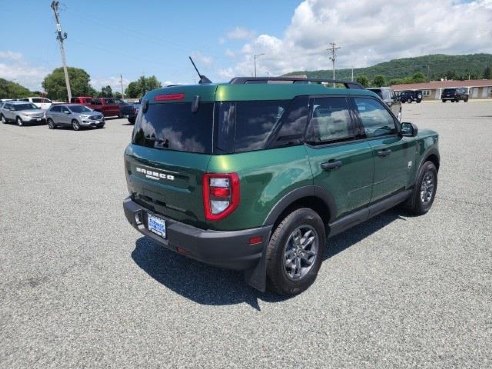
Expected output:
(214, 286)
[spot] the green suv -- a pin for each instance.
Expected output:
(257, 173)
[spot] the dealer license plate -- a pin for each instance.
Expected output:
(156, 225)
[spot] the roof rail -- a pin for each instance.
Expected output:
(253, 80)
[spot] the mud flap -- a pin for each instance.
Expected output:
(256, 277)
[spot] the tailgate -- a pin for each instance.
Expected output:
(167, 182)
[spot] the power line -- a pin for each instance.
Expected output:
(61, 36)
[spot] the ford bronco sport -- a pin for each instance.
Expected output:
(257, 173)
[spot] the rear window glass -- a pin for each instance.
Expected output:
(173, 126)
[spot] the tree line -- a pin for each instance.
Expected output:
(55, 87)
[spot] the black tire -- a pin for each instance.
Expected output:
(51, 124)
(425, 189)
(2, 118)
(301, 234)
(19, 121)
(75, 125)
(443, 100)
(465, 99)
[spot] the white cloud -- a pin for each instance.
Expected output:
(202, 59)
(369, 32)
(240, 33)
(13, 67)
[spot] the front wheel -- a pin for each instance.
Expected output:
(75, 125)
(2, 118)
(51, 124)
(295, 252)
(19, 121)
(425, 190)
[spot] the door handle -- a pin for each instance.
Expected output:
(332, 164)
(384, 153)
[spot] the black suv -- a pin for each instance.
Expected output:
(454, 95)
(257, 173)
(409, 96)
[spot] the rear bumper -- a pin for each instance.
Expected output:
(226, 249)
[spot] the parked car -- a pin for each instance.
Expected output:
(408, 96)
(257, 173)
(73, 115)
(133, 112)
(390, 98)
(106, 105)
(40, 102)
(454, 95)
(21, 113)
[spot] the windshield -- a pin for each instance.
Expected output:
(29, 106)
(173, 126)
(80, 109)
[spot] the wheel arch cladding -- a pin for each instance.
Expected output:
(312, 197)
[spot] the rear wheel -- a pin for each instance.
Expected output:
(51, 124)
(19, 121)
(425, 190)
(75, 125)
(295, 252)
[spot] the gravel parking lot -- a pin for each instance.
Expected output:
(80, 288)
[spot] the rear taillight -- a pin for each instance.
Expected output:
(220, 194)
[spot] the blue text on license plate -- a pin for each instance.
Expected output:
(157, 225)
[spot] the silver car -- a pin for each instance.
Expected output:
(73, 115)
(21, 113)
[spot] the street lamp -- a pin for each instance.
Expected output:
(254, 59)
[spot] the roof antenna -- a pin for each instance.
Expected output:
(203, 79)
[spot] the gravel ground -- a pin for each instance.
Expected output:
(80, 288)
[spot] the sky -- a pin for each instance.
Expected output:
(111, 38)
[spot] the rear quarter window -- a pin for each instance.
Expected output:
(247, 125)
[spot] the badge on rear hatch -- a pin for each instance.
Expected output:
(153, 174)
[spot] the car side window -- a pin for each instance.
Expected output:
(331, 121)
(65, 110)
(55, 109)
(375, 119)
(95, 102)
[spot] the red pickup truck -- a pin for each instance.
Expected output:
(105, 105)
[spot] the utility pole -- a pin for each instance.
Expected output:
(61, 36)
(333, 56)
(121, 83)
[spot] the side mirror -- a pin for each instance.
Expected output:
(409, 129)
(67, 112)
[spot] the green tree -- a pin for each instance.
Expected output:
(12, 90)
(363, 80)
(106, 91)
(418, 78)
(487, 73)
(141, 86)
(378, 81)
(55, 87)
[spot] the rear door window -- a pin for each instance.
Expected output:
(331, 121)
(173, 126)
